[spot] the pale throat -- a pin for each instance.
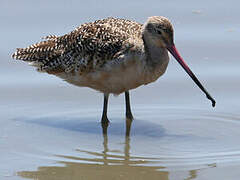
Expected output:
(154, 54)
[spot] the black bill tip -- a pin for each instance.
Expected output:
(211, 99)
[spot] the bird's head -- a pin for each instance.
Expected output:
(158, 32)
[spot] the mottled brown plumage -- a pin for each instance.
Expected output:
(85, 49)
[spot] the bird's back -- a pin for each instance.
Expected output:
(86, 48)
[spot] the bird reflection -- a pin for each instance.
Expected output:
(127, 140)
(106, 164)
(192, 175)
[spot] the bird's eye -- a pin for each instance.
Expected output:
(159, 31)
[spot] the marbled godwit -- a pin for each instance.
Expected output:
(109, 55)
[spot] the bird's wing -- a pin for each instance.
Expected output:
(88, 47)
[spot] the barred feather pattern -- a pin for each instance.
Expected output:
(85, 49)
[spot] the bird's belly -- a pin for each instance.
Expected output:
(116, 80)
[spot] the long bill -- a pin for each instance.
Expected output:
(173, 50)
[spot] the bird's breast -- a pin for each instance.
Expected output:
(117, 78)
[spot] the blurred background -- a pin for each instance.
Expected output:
(43, 116)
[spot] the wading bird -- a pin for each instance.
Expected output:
(109, 55)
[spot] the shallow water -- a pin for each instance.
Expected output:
(51, 130)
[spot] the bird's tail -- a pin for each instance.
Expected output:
(40, 52)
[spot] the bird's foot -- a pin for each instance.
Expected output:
(105, 122)
(129, 115)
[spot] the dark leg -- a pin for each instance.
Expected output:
(105, 120)
(128, 107)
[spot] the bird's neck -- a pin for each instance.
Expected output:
(154, 55)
